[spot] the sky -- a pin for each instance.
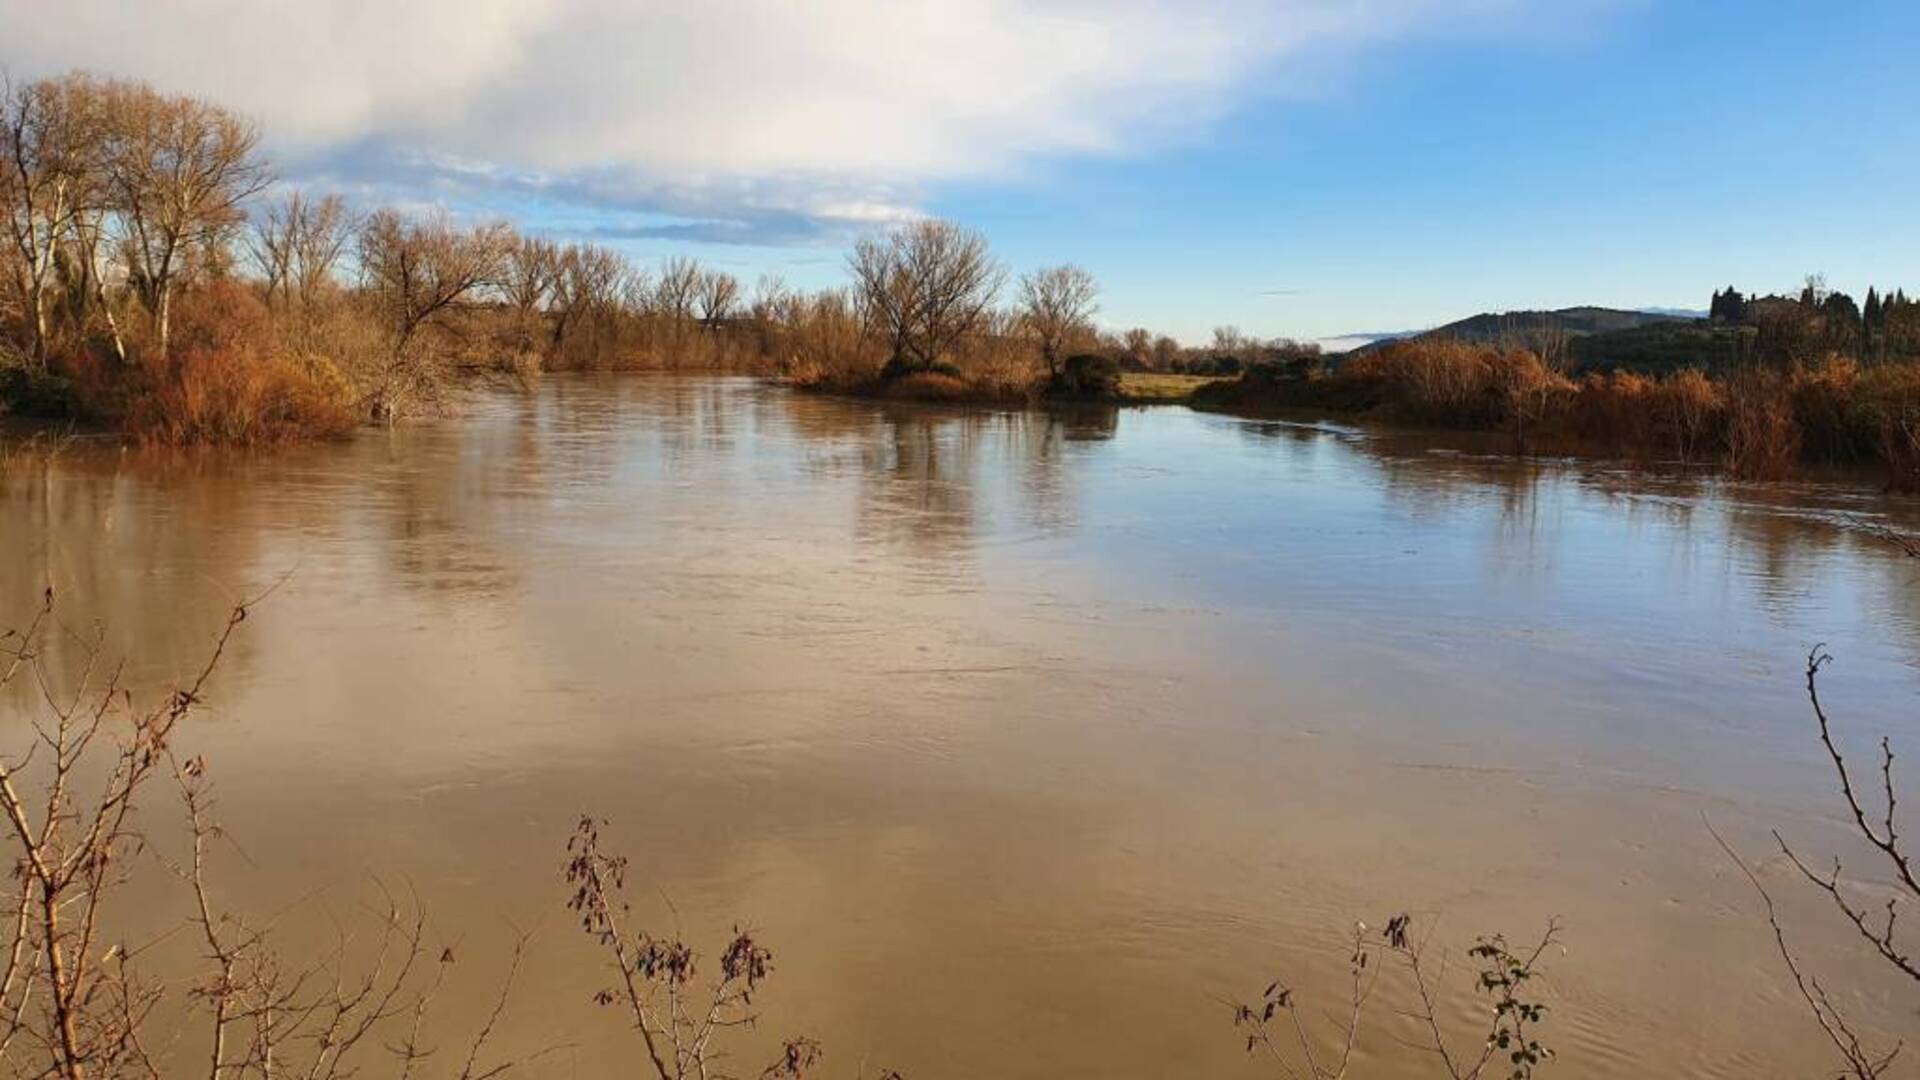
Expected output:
(1300, 168)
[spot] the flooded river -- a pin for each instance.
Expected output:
(1024, 741)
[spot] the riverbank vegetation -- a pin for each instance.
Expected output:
(155, 279)
(1762, 421)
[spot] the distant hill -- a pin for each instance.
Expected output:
(1661, 347)
(1573, 322)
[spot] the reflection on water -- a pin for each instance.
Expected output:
(1020, 736)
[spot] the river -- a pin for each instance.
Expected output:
(1023, 740)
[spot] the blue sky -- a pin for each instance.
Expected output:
(1305, 168)
(1661, 153)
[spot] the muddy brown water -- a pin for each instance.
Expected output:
(1024, 740)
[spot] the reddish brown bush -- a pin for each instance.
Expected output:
(240, 397)
(1763, 436)
(228, 380)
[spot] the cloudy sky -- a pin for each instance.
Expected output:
(1298, 167)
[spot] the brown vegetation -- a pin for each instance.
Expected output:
(131, 219)
(1762, 423)
(1509, 1044)
(149, 280)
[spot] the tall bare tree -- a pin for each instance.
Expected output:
(177, 170)
(50, 139)
(590, 289)
(416, 271)
(925, 286)
(1057, 307)
(530, 274)
(675, 293)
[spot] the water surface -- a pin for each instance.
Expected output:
(1023, 739)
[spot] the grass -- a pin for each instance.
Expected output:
(1155, 388)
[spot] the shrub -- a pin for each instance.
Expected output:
(1615, 409)
(26, 391)
(1694, 411)
(1763, 436)
(928, 386)
(240, 397)
(1887, 418)
(1825, 405)
(1086, 377)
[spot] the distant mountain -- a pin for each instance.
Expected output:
(1346, 342)
(1521, 325)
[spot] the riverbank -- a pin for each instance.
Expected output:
(1757, 423)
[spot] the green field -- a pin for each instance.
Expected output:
(1154, 388)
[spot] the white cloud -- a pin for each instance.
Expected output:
(733, 111)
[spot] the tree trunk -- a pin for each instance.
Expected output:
(163, 319)
(37, 298)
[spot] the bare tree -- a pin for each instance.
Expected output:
(177, 170)
(677, 289)
(717, 293)
(1229, 341)
(416, 271)
(770, 299)
(529, 283)
(1166, 353)
(1057, 306)
(530, 275)
(925, 286)
(298, 242)
(50, 140)
(589, 289)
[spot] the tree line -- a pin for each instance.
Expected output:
(1819, 320)
(152, 263)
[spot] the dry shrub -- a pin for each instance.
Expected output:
(1680, 415)
(1001, 368)
(1445, 381)
(1528, 391)
(1614, 409)
(1887, 417)
(1460, 383)
(1763, 435)
(1826, 406)
(823, 344)
(929, 386)
(241, 397)
(228, 380)
(1693, 409)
